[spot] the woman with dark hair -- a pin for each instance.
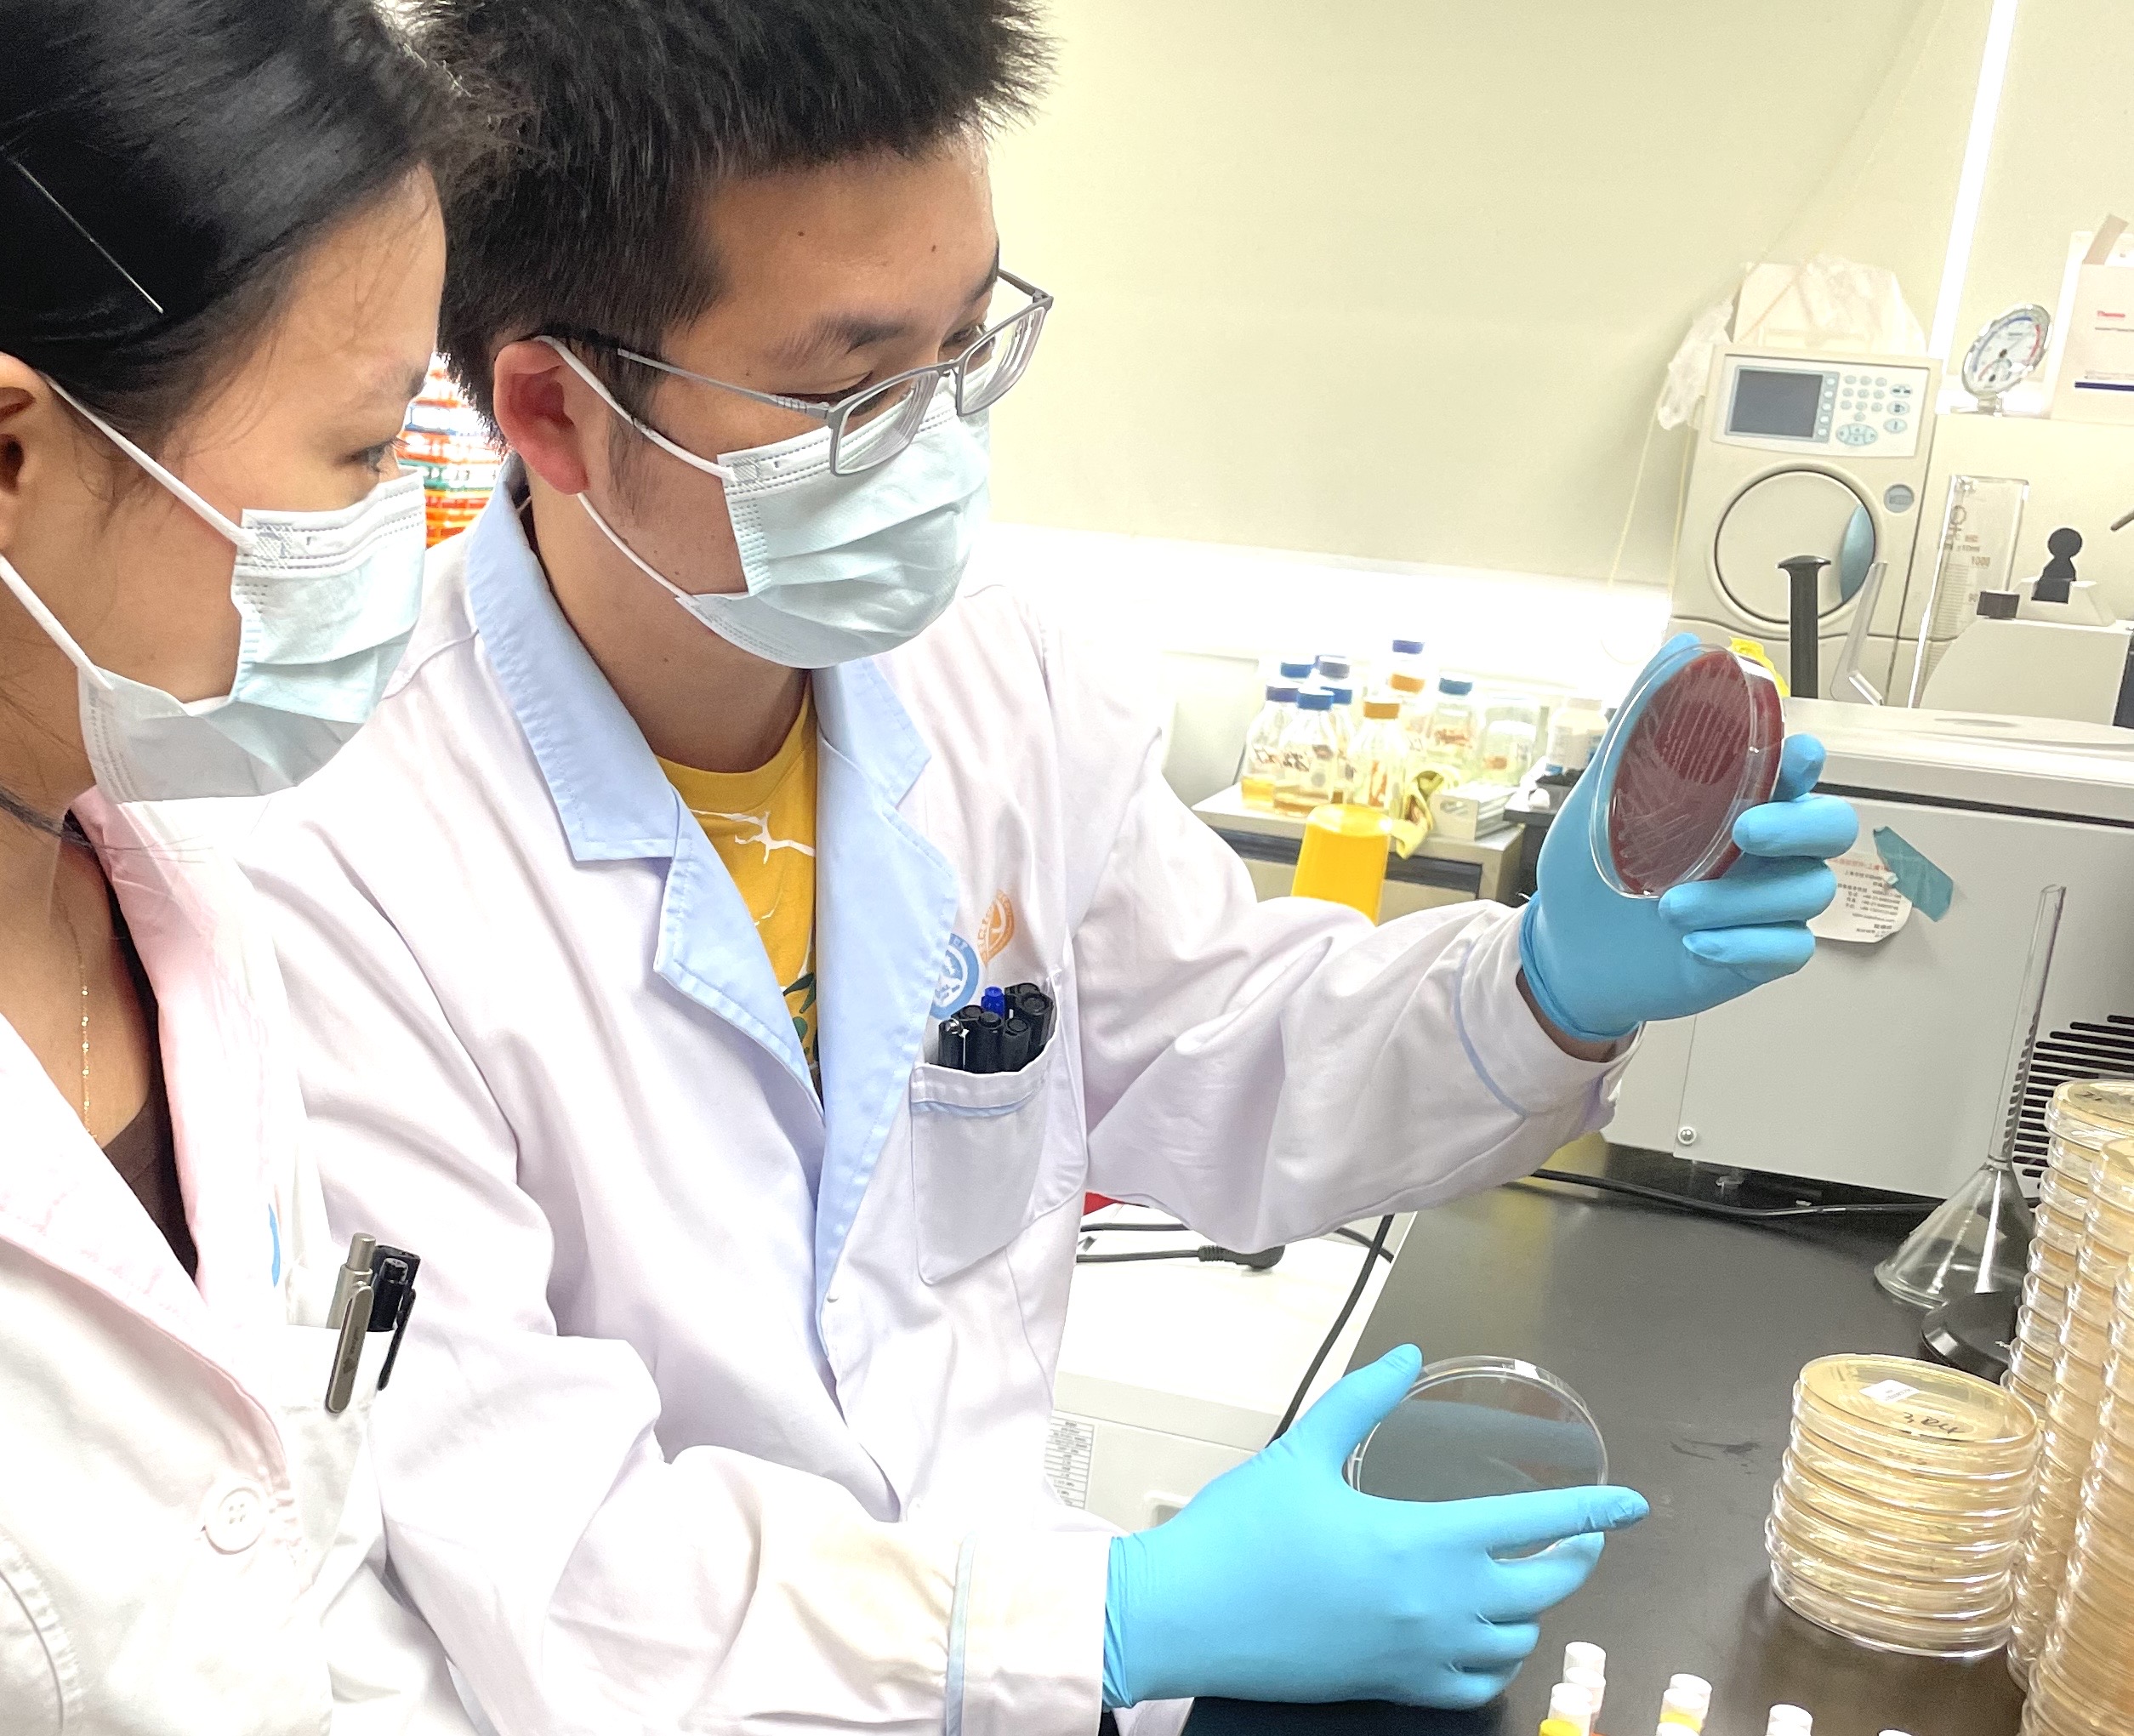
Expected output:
(220, 257)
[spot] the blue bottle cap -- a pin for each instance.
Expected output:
(1457, 685)
(1297, 671)
(1282, 695)
(1335, 667)
(1408, 647)
(1315, 699)
(1342, 694)
(995, 1001)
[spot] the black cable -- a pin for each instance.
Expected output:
(1110, 1229)
(1132, 1259)
(1718, 1209)
(1340, 1320)
(1362, 1241)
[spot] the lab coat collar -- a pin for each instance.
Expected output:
(613, 801)
(60, 1197)
(885, 900)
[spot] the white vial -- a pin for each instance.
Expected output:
(1584, 1654)
(1684, 1709)
(1789, 1721)
(1575, 1705)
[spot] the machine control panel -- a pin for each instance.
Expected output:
(1869, 409)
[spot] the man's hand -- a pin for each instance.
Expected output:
(1280, 1582)
(1595, 964)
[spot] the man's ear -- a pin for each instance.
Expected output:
(547, 413)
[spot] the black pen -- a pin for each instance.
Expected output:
(392, 1300)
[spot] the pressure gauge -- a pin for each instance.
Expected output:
(2007, 353)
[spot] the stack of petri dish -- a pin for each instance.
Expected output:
(2083, 1684)
(2084, 1117)
(1898, 1516)
(2077, 1397)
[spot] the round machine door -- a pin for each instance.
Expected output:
(1795, 512)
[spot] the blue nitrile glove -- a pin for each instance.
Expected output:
(1280, 1582)
(1599, 964)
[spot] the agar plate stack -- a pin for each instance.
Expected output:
(2083, 1684)
(2091, 1278)
(2085, 1116)
(1898, 1517)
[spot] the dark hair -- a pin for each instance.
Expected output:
(620, 115)
(164, 164)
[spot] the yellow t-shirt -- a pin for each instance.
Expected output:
(762, 824)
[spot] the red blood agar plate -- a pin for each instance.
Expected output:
(1695, 746)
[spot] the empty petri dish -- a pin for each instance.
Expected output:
(1694, 747)
(1473, 1426)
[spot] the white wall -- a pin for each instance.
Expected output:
(1397, 279)
(2063, 155)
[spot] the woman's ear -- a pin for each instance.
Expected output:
(19, 389)
(539, 406)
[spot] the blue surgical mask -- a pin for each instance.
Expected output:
(327, 599)
(837, 567)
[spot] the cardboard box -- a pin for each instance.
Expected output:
(2094, 338)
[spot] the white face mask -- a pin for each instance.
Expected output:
(328, 601)
(837, 567)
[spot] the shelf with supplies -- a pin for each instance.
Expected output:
(1441, 871)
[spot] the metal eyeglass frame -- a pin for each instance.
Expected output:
(1020, 330)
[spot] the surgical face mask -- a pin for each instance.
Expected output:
(837, 567)
(327, 599)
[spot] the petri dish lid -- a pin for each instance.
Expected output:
(1931, 1460)
(1947, 1500)
(1923, 1401)
(2089, 1112)
(1801, 1524)
(1694, 747)
(1952, 1537)
(1474, 1426)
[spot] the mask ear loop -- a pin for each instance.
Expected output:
(246, 540)
(635, 559)
(33, 605)
(710, 467)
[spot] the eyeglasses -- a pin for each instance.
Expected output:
(874, 425)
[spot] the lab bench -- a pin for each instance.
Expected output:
(1441, 871)
(1685, 1336)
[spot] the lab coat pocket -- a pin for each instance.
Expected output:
(322, 1448)
(977, 1141)
(40, 1686)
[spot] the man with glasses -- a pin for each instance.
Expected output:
(641, 950)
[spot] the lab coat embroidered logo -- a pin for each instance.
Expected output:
(997, 927)
(959, 972)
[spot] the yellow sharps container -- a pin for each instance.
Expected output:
(1343, 857)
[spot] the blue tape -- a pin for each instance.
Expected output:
(1917, 879)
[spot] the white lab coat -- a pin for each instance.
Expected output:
(726, 1408)
(188, 1542)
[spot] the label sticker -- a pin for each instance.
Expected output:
(1917, 877)
(1069, 1445)
(1868, 909)
(1889, 1392)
